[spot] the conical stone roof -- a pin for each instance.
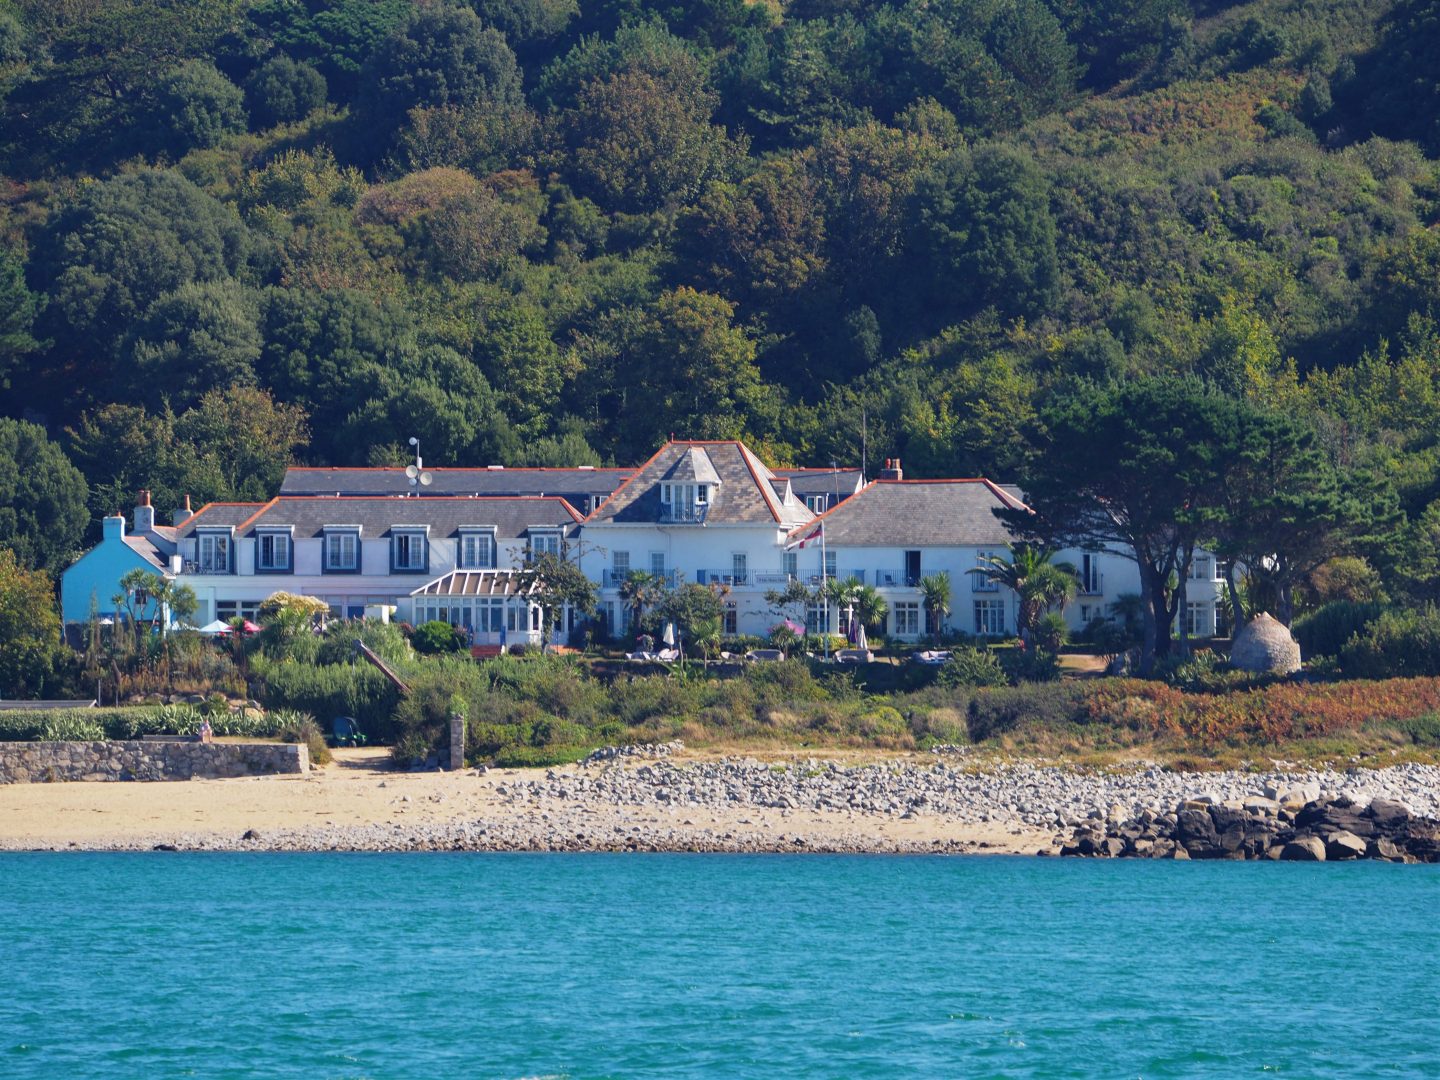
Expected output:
(1265, 645)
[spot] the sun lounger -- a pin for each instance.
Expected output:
(930, 656)
(764, 654)
(854, 656)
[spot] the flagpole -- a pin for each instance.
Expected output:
(824, 598)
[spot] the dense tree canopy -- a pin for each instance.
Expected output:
(541, 231)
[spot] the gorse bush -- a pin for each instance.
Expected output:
(1396, 644)
(1326, 630)
(971, 667)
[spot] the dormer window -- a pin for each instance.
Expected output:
(476, 549)
(408, 551)
(702, 494)
(342, 550)
(665, 493)
(213, 553)
(272, 552)
(544, 543)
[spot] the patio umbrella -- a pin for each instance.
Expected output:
(249, 627)
(214, 629)
(860, 642)
(669, 638)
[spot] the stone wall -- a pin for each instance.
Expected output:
(42, 762)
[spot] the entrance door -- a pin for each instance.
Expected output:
(912, 568)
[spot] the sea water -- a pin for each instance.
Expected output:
(578, 966)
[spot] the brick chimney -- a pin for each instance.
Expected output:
(144, 513)
(892, 470)
(184, 514)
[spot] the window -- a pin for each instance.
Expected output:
(407, 551)
(620, 561)
(342, 552)
(657, 564)
(702, 494)
(990, 618)
(225, 610)
(665, 494)
(1200, 568)
(1091, 584)
(545, 543)
(831, 558)
(476, 550)
(905, 618)
(815, 618)
(731, 620)
(790, 564)
(817, 503)
(272, 551)
(214, 553)
(739, 567)
(1199, 620)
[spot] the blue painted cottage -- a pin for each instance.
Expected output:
(93, 580)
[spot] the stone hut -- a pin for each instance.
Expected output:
(1265, 645)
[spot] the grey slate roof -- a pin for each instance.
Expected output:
(147, 550)
(510, 516)
(567, 483)
(744, 495)
(693, 467)
(824, 482)
(219, 515)
(918, 513)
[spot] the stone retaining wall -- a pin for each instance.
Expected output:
(43, 762)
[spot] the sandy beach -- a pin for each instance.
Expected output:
(358, 803)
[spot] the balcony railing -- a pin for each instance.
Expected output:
(613, 579)
(1093, 585)
(981, 583)
(893, 578)
(683, 513)
(191, 567)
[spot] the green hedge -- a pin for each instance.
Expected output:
(332, 690)
(81, 725)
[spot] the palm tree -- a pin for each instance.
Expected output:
(638, 591)
(935, 591)
(1034, 577)
(871, 608)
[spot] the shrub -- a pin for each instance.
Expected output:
(298, 727)
(71, 726)
(1326, 630)
(332, 690)
(532, 757)
(1397, 644)
(1050, 632)
(1003, 709)
(1423, 730)
(971, 667)
(437, 637)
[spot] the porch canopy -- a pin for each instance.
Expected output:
(486, 602)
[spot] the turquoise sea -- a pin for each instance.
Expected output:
(588, 966)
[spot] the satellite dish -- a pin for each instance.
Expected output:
(425, 479)
(411, 471)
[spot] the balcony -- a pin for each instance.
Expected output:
(1092, 585)
(897, 579)
(683, 513)
(613, 579)
(726, 577)
(189, 566)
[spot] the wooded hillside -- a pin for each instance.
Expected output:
(547, 232)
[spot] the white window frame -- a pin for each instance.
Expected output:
(620, 564)
(335, 539)
(989, 618)
(545, 541)
(414, 542)
(483, 556)
(277, 541)
(657, 564)
(217, 560)
(790, 563)
(905, 618)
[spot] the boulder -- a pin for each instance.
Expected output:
(1265, 645)
(1304, 849)
(1344, 845)
(1387, 813)
(1258, 805)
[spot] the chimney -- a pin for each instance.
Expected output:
(113, 527)
(144, 513)
(892, 470)
(184, 514)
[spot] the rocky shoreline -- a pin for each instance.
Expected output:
(649, 799)
(1292, 830)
